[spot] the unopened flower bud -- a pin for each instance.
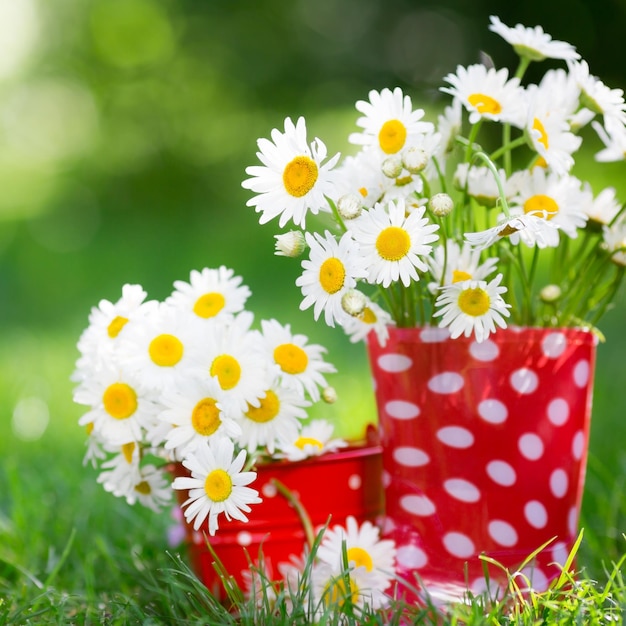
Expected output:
(353, 302)
(349, 206)
(329, 395)
(290, 244)
(441, 204)
(550, 293)
(415, 160)
(392, 166)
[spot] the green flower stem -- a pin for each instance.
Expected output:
(610, 295)
(440, 175)
(294, 501)
(336, 215)
(505, 149)
(524, 62)
(494, 170)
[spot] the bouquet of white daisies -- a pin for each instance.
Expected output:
(189, 380)
(467, 223)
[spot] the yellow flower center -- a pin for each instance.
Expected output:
(368, 316)
(360, 557)
(227, 370)
(116, 325)
(474, 302)
(543, 136)
(89, 428)
(303, 441)
(458, 276)
(166, 350)
(393, 243)
(392, 136)
(209, 305)
(143, 488)
(300, 176)
(541, 202)
(336, 593)
(332, 275)
(291, 358)
(205, 417)
(363, 191)
(120, 400)
(127, 451)
(266, 411)
(484, 103)
(218, 485)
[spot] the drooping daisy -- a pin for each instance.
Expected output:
(393, 244)
(364, 549)
(561, 197)
(194, 413)
(332, 268)
(293, 179)
(274, 420)
(210, 294)
(389, 122)
(488, 94)
(373, 318)
(301, 364)
(613, 136)
(473, 306)
(216, 485)
(533, 43)
(315, 439)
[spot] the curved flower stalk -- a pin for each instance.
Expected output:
(416, 192)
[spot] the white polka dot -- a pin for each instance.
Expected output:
(434, 334)
(459, 545)
(394, 363)
(537, 579)
(502, 532)
(558, 483)
(411, 557)
(481, 586)
(269, 490)
(446, 382)
(558, 411)
(418, 505)
(524, 380)
(484, 351)
(531, 446)
(354, 482)
(386, 479)
(572, 521)
(581, 373)
(560, 553)
(502, 473)
(493, 411)
(402, 410)
(462, 490)
(455, 436)
(535, 514)
(578, 445)
(553, 345)
(244, 538)
(410, 457)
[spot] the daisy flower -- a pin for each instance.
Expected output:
(122, 471)
(293, 179)
(332, 268)
(393, 244)
(389, 122)
(362, 175)
(273, 420)
(364, 549)
(152, 490)
(193, 411)
(373, 318)
(301, 364)
(480, 183)
(314, 439)
(488, 94)
(560, 197)
(216, 485)
(615, 242)
(95, 450)
(602, 209)
(533, 43)
(473, 306)
(210, 293)
(613, 136)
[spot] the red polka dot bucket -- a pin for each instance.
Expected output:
(484, 451)
(348, 482)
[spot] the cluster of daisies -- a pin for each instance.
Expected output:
(188, 379)
(439, 223)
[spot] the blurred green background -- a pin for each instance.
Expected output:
(125, 129)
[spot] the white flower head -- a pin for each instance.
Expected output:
(373, 319)
(613, 136)
(473, 306)
(315, 439)
(293, 179)
(615, 242)
(151, 489)
(217, 485)
(533, 43)
(290, 244)
(604, 208)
